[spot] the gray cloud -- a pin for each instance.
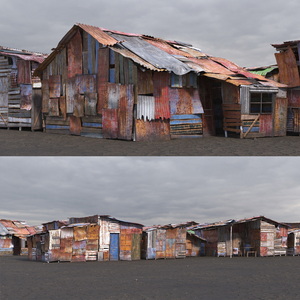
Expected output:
(156, 190)
(241, 31)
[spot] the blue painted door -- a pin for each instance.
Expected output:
(114, 246)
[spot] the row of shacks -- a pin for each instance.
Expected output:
(111, 84)
(13, 237)
(20, 91)
(103, 238)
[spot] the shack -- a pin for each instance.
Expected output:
(288, 63)
(93, 238)
(195, 245)
(167, 241)
(258, 236)
(13, 236)
(20, 91)
(110, 84)
(293, 242)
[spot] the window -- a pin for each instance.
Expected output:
(261, 103)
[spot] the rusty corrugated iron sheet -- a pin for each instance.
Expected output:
(125, 112)
(161, 83)
(152, 54)
(131, 55)
(110, 123)
(152, 130)
(98, 34)
(74, 51)
(210, 66)
(185, 101)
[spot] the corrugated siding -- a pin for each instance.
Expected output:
(74, 50)
(145, 108)
(280, 116)
(152, 130)
(161, 83)
(288, 68)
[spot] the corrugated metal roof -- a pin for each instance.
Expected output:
(126, 53)
(23, 54)
(157, 57)
(98, 34)
(17, 228)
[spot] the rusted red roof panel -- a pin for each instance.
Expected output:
(98, 34)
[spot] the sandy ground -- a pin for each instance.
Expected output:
(24, 143)
(191, 278)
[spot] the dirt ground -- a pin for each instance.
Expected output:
(191, 278)
(24, 143)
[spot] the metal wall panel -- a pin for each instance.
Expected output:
(125, 120)
(152, 130)
(280, 116)
(74, 54)
(161, 81)
(26, 96)
(24, 72)
(110, 123)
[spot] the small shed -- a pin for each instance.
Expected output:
(110, 84)
(195, 245)
(168, 241)
(288, 60)
(259, 236)
(293, 242)
(20, 91)
(13, 236)
(118, 240)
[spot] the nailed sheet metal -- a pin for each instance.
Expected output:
(86, 84)
(110, 123)
(152, 54)
(210, 66)
(93, 232)
(54, 86)
(280, 116)
(125, 112)
(288, 68)
(24, 72)
(26, 96)
(161, 83)
(74, 50)
(129, 54)
(185, 101)
(152, 130)
(145, 108)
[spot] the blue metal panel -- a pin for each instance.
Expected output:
(57, 127)
(181, 117)
(97, 125)
(178, 122)
(114, 246)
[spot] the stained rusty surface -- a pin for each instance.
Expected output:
(54, 86)
(74, 50)
(266, 125)
(161, 83)
(185, 101)
(26, 96)
(125, 113)
(288, 68)
(75, 125)
(86, 84)
(98, 34)
(103, 65)
(152, 130)
(24, 72)
(280, 116)
(110, 123)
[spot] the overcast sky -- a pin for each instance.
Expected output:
(155, 190)
(239, 30)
